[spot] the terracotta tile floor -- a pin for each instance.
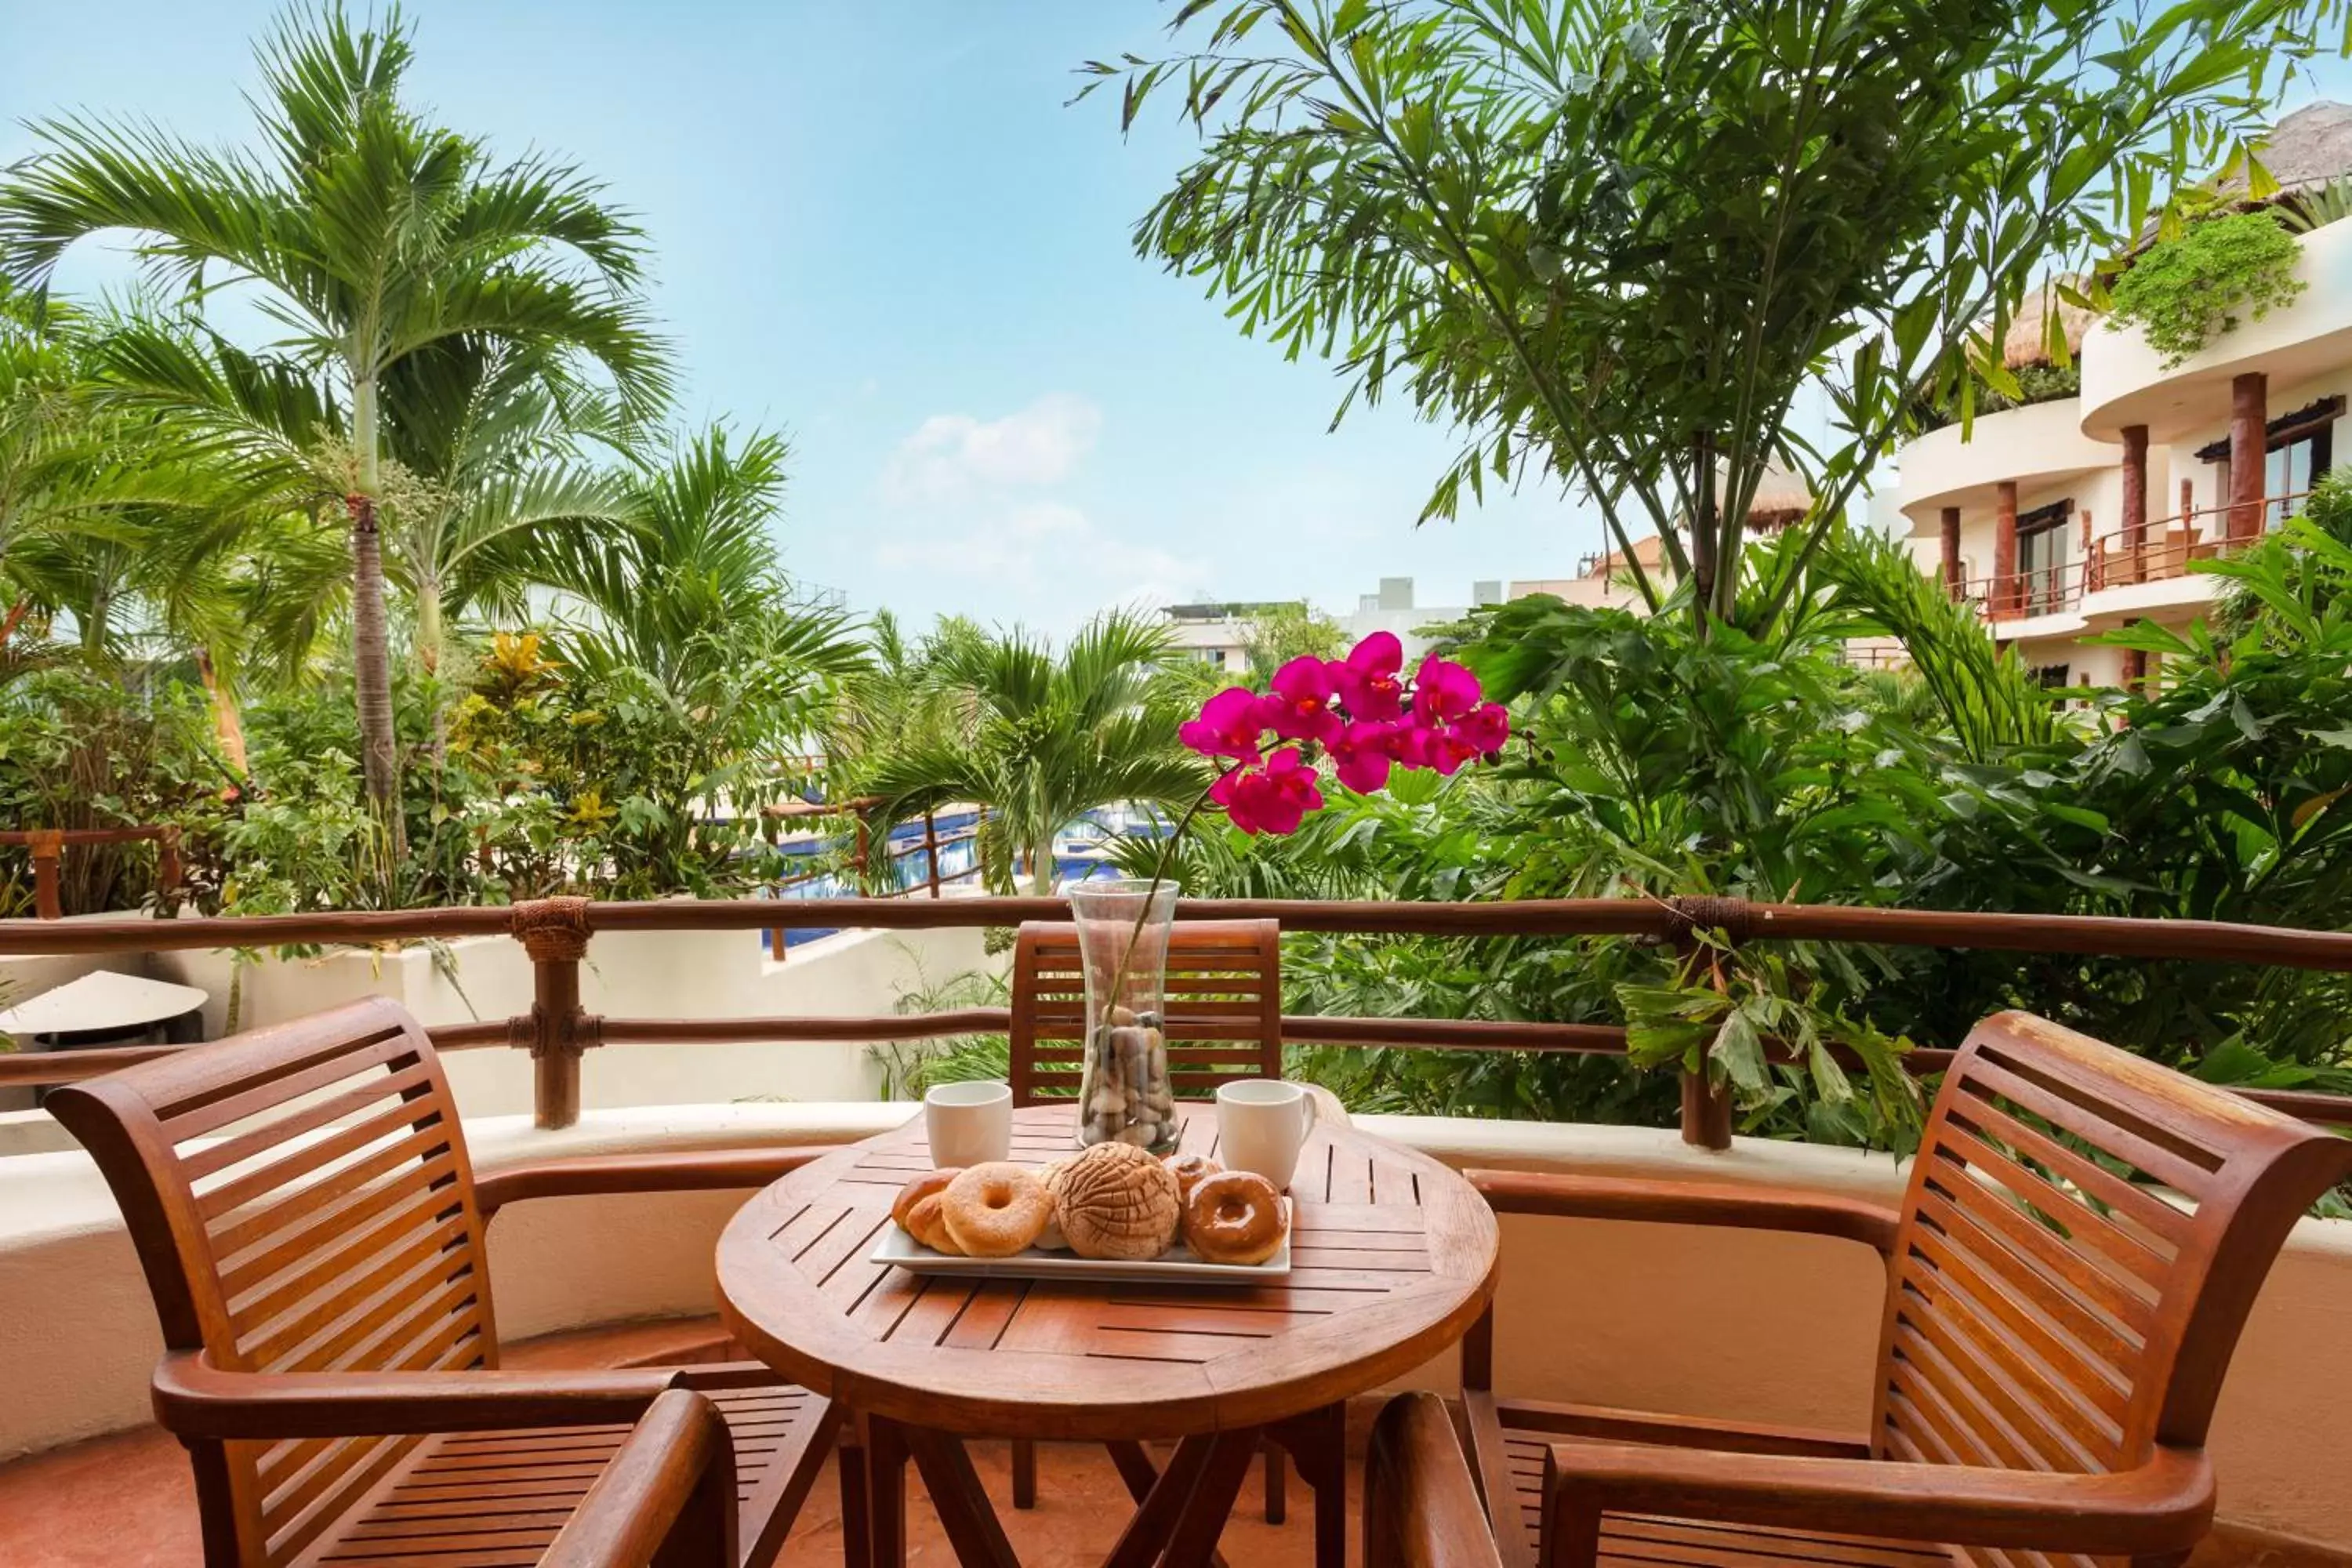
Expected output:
(125, 1501)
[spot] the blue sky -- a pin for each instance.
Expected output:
(879, 228)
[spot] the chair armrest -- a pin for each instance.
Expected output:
(195, 1399)
(1421, 1510)
(2163, 1506)
(705, 1169)
(1688, 1203)
(666, 1497)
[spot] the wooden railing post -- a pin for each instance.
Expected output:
(931, 849)
(48, 848)
(1707, 1107)
(555, 932)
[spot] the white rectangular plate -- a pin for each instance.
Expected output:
(1177, 1266)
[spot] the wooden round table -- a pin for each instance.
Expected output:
(1392, 1258)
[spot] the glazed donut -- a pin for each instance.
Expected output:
(922, 1187)
(997, 1209)
(1234, 1216)
(926, 1222)
(1187, 1170)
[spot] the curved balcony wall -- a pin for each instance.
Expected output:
(1751, 1326)
(2043, 442)
(2125, 382)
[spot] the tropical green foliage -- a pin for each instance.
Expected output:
(1041, 737)
(2185, 291)
(1652, 761)
(372, 240)
(1608, 242)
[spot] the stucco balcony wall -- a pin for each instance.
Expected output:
(2040, 444)
(633, 974)
(1709, 1322)
(2125, 381)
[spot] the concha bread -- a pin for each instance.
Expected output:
(1116, 1202)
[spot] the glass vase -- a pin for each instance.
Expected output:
(1124, 1093)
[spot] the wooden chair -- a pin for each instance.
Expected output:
(1225, 1008)
(2055, 1337)
(1223, 1023)
(667, 1499)
(1420, 1508)
(313, 1235)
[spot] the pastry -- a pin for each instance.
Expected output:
(1116, 1202)
(1050, 1239)
(1234, 1216)
(913, 1192)
(926, 1222)
(997, 1209)
(1189, 1169)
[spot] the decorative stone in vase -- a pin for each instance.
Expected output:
(1124, 1093)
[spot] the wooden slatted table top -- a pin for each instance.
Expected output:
(1392, 1257)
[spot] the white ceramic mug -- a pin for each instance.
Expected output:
(969, 1123)
(1261, 1124)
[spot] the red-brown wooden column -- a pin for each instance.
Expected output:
(2135, 530)
(1951, 529)
(2008, 593)
(2249, 410)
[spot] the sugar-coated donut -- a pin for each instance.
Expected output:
(922, 1187)
(926, 1222)
(997, 1209)
(1234, 1216)
(1187, 1170)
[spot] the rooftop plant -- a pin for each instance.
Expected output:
(2185, 291)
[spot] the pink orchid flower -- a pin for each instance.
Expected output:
(1362, 754)
(1485, 728)
(1444, 691)
(1228, 726)
(1280, 797)
(1446, 751)
(1366, 678)
(1273, 799)
(1300, 707)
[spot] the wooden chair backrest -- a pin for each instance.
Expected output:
(302, 1201)
(1224, 1014)
(2046, 1313)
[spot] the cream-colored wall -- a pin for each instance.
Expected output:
(2204, 478)
(633, 974)
(2040, 441)
(1767, 1328)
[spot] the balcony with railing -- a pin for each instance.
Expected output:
(2121, 575)
(1608, 1315)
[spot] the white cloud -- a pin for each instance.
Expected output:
(984, 503)
(956, 457)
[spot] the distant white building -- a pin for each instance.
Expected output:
(1217, 632)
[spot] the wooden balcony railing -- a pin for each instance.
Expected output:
(2162, 550)
(555, 932)
(48, 848)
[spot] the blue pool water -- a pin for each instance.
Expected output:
(910, 865)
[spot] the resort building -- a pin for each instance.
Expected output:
(2081, 510)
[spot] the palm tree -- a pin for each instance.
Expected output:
(370, 236)
(1047, 739)
(494, 431)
